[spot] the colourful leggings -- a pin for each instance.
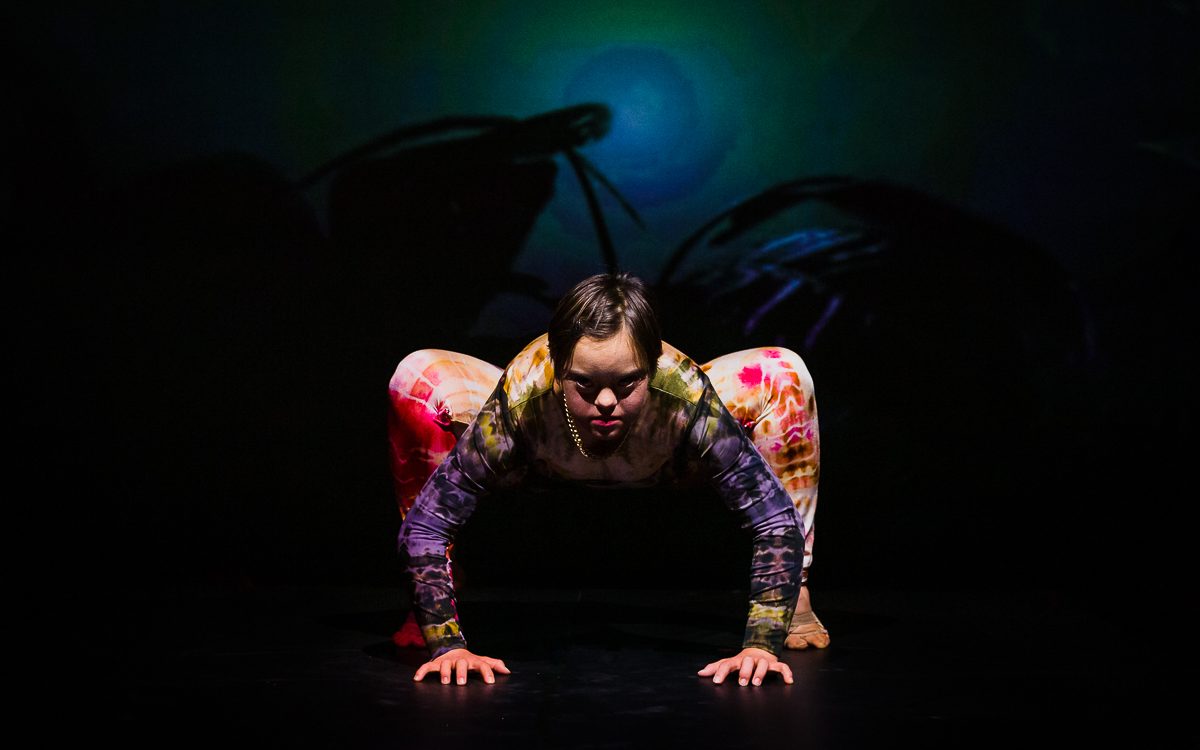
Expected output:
(436, 393)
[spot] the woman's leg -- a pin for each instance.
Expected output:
(434, 395)
(769, 390)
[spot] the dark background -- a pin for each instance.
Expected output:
(202, 343)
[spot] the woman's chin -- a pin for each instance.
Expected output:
(605, 435)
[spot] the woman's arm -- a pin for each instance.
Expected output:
(444, 504)
(748, 486)
(484, 457)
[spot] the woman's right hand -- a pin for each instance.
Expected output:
(461, 661)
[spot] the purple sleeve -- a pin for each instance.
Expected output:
(483, 458)
(748, 486)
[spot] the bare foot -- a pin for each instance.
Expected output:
(806, 629)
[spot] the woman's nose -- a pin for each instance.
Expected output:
(606, 398)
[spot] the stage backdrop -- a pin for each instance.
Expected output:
(230, 223)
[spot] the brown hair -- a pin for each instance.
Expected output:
(598, 307)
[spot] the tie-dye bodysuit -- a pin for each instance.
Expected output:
(745, 423)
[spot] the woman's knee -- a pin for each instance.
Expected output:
(445, 387)
(779, 369)
(413, 373)
(416, 404)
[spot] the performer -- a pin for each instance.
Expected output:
(602, 400)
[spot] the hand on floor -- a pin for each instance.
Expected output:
(462, 662)
(752, 665)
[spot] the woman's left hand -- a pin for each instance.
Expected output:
(752, 665)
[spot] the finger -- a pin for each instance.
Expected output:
(486, 671)
(745, 671)
(445, 668)
(420, 673)
(723, 669)
(784, 670)
(709, 669)
(499, 665)
(760, 671)
(460, 668)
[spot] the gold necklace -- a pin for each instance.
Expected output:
(575, 433)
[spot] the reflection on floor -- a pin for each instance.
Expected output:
(613, 669)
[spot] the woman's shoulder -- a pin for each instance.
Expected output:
(678, 375)
(530, 373)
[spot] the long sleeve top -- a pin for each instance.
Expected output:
(683, 432)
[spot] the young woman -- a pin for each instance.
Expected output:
(601, 400)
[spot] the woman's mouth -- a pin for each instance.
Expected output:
(605, 424)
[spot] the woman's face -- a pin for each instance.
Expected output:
(605, 387)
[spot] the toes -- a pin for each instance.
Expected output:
(798, 642)
(807, 631)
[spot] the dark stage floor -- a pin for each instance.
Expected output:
(611, 669)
